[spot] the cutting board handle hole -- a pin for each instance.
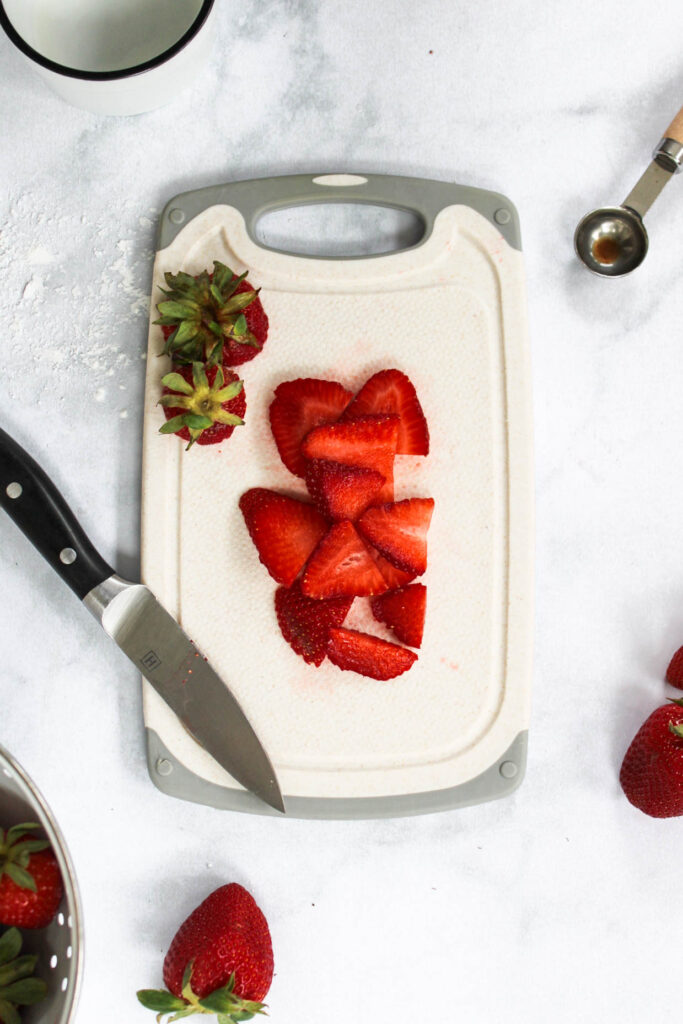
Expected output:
(339, 229)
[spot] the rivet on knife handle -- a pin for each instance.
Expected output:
(34, 503)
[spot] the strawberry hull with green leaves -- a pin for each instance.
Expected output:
(212, 318)
(202, 405)
(220, 961)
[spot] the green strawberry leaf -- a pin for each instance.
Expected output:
(187, 330)
(240, 328)
(20, 877)
(179, 310)
(8, 1013)
(19, 830)
(33, 845)
(10, 945)
(177, 383)
(226, 394)
(194, 421)
(25, 992)
(21, 967)
(199, 378)
(160, 1000)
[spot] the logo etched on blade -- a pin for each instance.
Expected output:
(151, 660)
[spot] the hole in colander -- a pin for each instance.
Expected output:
(69, 952)
(65, 984)
(70, 921)
(7, 772)
(53, 961)
(60, 919)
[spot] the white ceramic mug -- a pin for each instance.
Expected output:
(112, 56)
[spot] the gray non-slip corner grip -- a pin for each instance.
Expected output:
(501, 779)
(421, 196)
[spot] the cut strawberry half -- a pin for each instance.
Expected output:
(394, 577)
(298, 407)
(390, 391)
(284, 530)
(305, 623)
(403, 611)
(399, 532)
(368, 442)
(342, 492)
(674, 673)
(360, 652)
(341, 566)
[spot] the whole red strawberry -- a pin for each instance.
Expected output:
(652, 772)
(220, 960)
(30, 881)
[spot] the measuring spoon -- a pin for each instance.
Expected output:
(613, 241)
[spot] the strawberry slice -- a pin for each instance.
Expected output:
(393, 577)
(305, 623)
(368, 442)
(342, 492)
(399, 532)
(299, 406)
(360, 652)
(284, 530)
(403, 611)
(390, 391)
(341, 566)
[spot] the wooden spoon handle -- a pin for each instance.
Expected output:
(675, 129)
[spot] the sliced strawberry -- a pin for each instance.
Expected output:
(390, 391)
(674, 673)
(341, 566)
(399, 532)
(403, 611)
(339, 491)
(368, 655)
(393, 577)
(284, 530)
(298, 407)
(305, 623)
(368, 442)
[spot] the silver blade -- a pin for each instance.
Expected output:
(647, 188)
(180, 674)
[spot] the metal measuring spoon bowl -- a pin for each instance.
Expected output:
(613, 241)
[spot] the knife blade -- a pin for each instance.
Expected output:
(138, 624)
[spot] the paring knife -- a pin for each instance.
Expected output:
(135, 620)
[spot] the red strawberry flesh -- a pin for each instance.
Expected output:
(393, 577)
(305, 623)
(339, 491)
(399, 532)
(341, 566)
(403, 611)
(368, 655)
(298, 407)
(285, 531)
(368, 442)
(226, 934)
(391, 391)
(20, 906)
(652, 771)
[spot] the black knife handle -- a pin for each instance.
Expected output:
(31, 499)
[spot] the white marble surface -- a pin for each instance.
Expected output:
(561, 902)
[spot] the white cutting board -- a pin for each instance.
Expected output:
(450, 312)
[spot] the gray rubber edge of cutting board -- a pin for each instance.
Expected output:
(501, 779)
(422, 196)
(253, 199)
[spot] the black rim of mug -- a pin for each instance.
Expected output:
(104, 76)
